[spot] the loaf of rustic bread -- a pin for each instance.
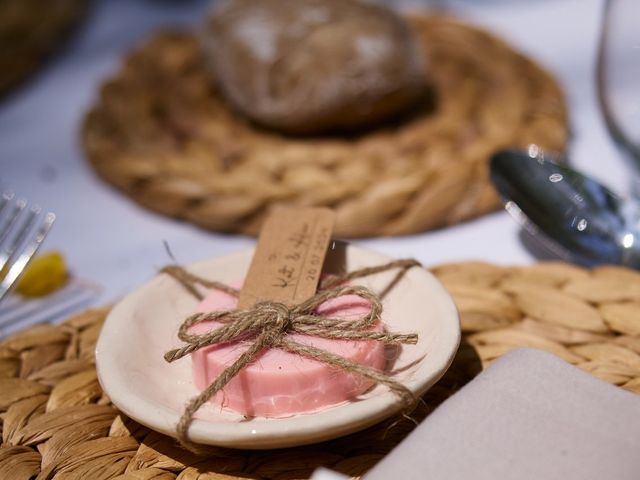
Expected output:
(310, 66)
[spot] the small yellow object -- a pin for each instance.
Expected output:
(45, 274)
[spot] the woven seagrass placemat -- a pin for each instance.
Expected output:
(57, 423)
(30, 30)
(161, 133)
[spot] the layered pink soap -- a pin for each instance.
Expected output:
(280, 384)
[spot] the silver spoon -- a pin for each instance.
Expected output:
(573, 215)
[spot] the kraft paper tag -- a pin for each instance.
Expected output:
(288, 260)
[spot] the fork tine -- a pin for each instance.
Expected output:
(5, 200)
(19, 265)
(8, 252)
(13, 217)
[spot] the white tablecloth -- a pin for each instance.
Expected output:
(109, 239)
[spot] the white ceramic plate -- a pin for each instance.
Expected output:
(143, 326)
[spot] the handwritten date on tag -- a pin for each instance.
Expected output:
(288, 260)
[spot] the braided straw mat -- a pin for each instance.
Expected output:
(57, 423)
(31, 30)
(162, 134)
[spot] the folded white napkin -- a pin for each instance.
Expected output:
(530, 415)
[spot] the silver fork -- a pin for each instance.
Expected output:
(22, 231)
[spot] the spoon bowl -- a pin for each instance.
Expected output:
(573, 215)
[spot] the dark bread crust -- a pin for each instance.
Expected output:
(310, 66)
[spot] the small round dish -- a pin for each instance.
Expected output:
(143, 326)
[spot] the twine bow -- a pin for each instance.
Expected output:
(269, 324)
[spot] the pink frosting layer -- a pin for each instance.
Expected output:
(280, 384)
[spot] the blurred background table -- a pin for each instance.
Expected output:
(109, 239)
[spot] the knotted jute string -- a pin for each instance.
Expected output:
(268, 325)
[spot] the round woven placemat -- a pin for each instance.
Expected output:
(57, 423)
(161, 133)
(30, 30)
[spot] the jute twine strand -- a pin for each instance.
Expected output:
(268, 325)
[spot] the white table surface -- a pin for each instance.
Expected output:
(107, 238)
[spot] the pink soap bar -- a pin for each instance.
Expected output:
(281, 384)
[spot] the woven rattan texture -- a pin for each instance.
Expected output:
(162, 134)
(57, 423)
(30, 30)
